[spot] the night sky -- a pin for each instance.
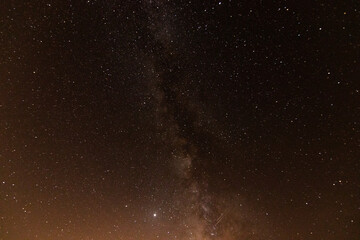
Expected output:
(179, 120)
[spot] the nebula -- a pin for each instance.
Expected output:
(179, 120)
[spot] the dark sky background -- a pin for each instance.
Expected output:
(183, 120)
